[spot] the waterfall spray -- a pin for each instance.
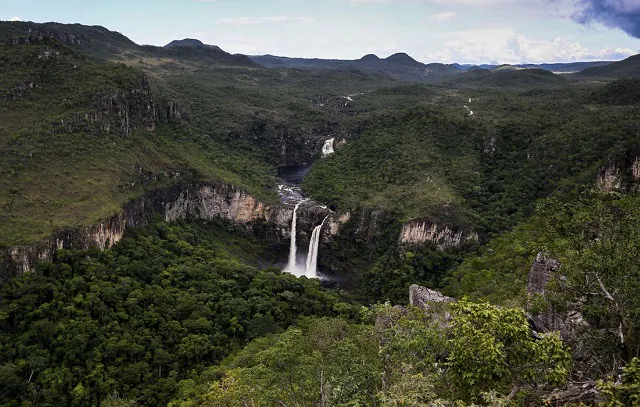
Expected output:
(312, 257)
(327, 149)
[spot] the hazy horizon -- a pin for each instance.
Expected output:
(456, 31)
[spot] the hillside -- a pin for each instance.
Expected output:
(508, 76)
(628, 68)
(400, 66)
(569, 67)
(164, 120)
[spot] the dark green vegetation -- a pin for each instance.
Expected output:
(508, 77)
(409, 358)
(92, 120)
(164, 304)
(629, 68)
(80, 138)
(485, 170)
(595, 239)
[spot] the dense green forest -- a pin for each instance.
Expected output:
(191, 312)
(165, 303)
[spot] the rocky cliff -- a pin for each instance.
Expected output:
(204, 201)
(422, 296)
(544, 315)
(443, 236)
(621, 173)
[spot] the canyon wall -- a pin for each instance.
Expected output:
(443, 236)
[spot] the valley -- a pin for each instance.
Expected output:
(184, 226)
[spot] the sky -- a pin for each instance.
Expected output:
(463, 31)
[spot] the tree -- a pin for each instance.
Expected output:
(626, 393)
(492, 349)
(597, 242)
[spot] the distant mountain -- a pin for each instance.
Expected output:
(105, 44)
(566, 67)
(96, 41)
(508, 77)
(628, 68)
(400, 66)
(189, 42)
(190, 48)
(403, 59)
(560, 67)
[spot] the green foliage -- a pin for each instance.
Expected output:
(597, 241)
(492, 349)
(499, 273)
(627, 392)
(135, 320)
(509, 77)
(413, 357)
(390, 277)
(619, 93)
(324, 362)
(395, 165)
(61, 168)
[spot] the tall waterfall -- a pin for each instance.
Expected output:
(327, 149)
(312, 257)
(291, 266)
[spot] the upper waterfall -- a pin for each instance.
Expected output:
(327, 149)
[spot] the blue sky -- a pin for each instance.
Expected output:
(466, 31)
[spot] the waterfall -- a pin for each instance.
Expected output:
(291, 266)
(327, 149)
(312, 257)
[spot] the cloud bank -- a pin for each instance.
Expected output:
(622, 14)
(264, 20)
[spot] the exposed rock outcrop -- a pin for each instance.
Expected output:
(621, 173)
(419, 231)
(609, 179)
(550, 319)
(422, 296)
(575, 393)
(335, 223)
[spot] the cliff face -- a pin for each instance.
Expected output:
(422, 296)
(621, 173)
(568, 321)
(418, 232)
(204, 201)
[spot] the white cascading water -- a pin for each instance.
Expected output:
(327, 149)
(312, 257)
(291, 266)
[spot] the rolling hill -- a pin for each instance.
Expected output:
(628, 68)
(400, 66)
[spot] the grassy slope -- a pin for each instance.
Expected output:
(53, 178)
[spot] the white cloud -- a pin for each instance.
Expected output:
(15, 19)
(444, 16)
(264, 20)
(507, 46)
